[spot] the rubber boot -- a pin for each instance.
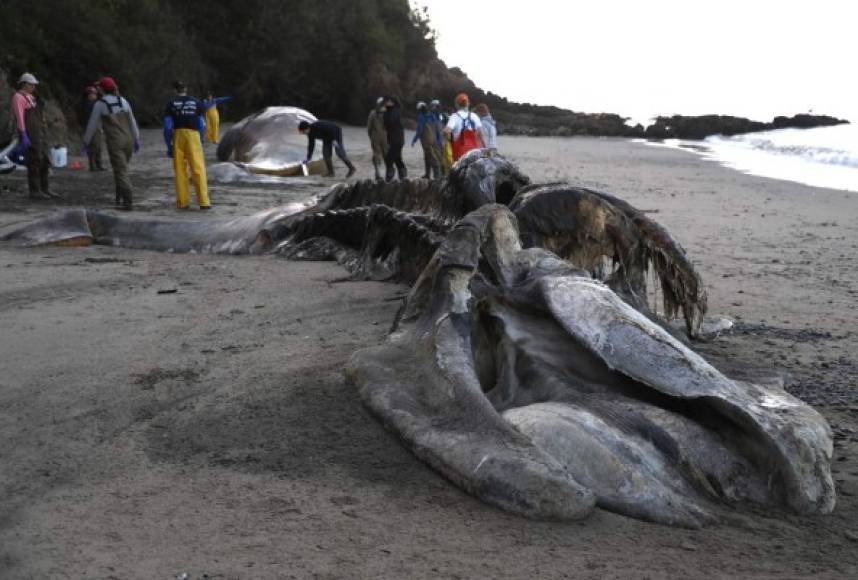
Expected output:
(388, 172)
(330, 165)
(426, 165)
(403, 172)
(351, 168)
(378, 176)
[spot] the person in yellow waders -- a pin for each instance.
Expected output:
(184, 128)
(445, 144)
(213, 117)
(448, 154)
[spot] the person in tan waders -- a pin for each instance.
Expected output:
(429, 134)
(113, 114)
(28, 112)
(377, 136)
(91, 96)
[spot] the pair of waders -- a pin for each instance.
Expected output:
(93, 152)
(36, 156)
(188, 153)
(120, 147)
(212, 125)
(432, 157)
(378, 140)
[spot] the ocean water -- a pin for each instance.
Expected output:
(821, 157)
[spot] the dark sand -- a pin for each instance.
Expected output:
(209, 430)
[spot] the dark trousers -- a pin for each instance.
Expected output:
(338, 148)
(394, 159)
(94, 151)
(38, 167)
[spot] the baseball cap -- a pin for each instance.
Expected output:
(28, 78)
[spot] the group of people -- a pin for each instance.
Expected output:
(108, 119)
(188, 122)
(444, 137)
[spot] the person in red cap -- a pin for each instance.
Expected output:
(113, 113)
(28, 111)
(94, 156)
(464, 128)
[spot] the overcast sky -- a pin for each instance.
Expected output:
(755, 58)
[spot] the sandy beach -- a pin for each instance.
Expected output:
(163, 414)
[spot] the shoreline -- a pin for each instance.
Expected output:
(209, 430)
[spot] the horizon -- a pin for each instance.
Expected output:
(727, 59)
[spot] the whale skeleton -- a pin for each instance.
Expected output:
(527, 364)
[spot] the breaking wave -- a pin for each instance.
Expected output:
(821, 157)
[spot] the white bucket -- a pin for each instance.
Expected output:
(59, 156)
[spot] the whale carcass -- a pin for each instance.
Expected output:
(268, 142)
(528, 363)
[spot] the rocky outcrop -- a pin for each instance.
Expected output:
(805, 121)
(700, 127)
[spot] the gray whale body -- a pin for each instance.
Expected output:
(525, 363)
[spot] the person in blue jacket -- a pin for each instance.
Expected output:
(429, 133)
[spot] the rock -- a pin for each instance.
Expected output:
(712, 327)
(700, 127)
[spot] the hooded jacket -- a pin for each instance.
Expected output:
(393, 124)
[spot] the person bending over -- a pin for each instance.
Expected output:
(332, 136)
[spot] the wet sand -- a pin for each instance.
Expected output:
(164, 414)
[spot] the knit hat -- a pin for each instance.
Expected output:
(107, 83)
(28, 78)
(462, 100)
(421, 105)
(379, 101)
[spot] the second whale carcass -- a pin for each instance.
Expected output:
(527, 363)
(268, 143)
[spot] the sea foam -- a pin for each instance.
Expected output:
(821, 157)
